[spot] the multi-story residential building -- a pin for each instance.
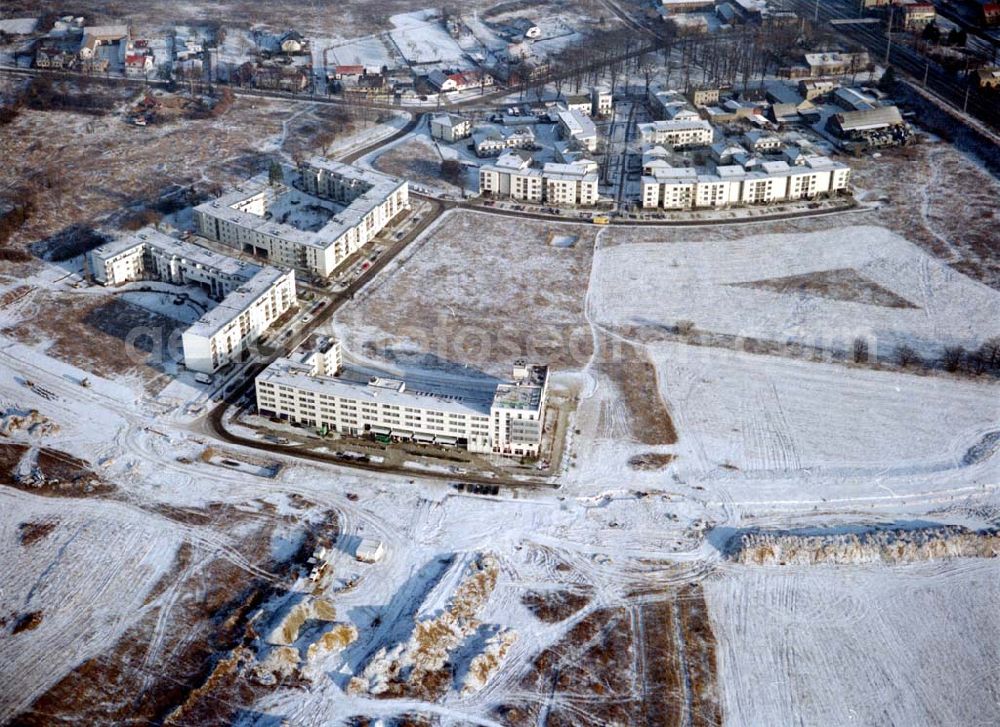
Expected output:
(250, 297)
(310, 388)
(836, 64)
(602, 102)
(701, 97)
(914, 14)
(491, 141)
(761, 141)
(512, 176)
(988, 78)
(579, 102)
(339, 209)
(574, 183)
(811, 89)
(679, 134)
(450, 127)
(734, 185)
(990, 14)
(575, 126)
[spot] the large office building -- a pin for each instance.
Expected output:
(733, 185)
(250, 298)
(514, 177)
(313, 227)
(310, 388)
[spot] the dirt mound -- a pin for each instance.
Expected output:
(886, 545)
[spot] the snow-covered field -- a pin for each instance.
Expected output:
(371, 52)
(765, 414)
(88, 578)
(760, 439)
(659, 284)
(421, 39)
(863, 645)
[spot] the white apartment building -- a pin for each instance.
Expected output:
(337, 210)
(512, 176)
(250, 297)
(602, 102)
(761, 141)
(732, 185)
(580, 102)
(450, 127)
(574, 184)
(678, 133)
(576, 127)
(491, 141)
(310, 388)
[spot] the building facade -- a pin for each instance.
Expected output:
(364, 203)
(250, 298)
(678, 133)
(450, 127)
(309, 388)
(513, 177)
(578, 128)
(733, 185)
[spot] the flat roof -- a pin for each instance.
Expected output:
(381, 187)
(236, 302)
(580, 171)
(577, 124)
(675, 125)
(286, 372)
(189, 251)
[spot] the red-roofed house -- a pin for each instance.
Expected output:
(459, 81)
(342, 72)
(991, 14)
(916, 15)
(137, 64)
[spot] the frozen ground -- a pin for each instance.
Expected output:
(760, 440)
(764, 414)
(88, 578)
(710, 284)
(859, 645)
(421, 39)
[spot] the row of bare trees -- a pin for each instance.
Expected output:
(737, 58)
(954, 359)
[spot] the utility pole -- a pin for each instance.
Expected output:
(927, 69)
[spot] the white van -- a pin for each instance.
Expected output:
(203, 378)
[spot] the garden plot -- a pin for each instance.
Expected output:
(770, 414)
(887, 645)
(478, 290)
(868, 282)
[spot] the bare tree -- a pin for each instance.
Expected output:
(990, 353)
(952, 358)
(860, 349)
(906, 356)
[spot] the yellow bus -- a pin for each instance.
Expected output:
(601, 220)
